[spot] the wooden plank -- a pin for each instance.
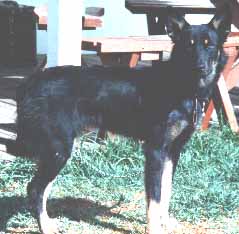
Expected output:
(187, 6)
(207, 117)
(226, 101)
(176, 3)
(88, 22)
(128, 44)
(233, 77)
(134, 60)
(135, 45)
(91, 22)
(95, 11)
(138, 44)
(232, 40)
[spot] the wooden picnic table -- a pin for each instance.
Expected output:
(156, 11)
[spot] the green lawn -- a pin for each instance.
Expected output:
(100, 190)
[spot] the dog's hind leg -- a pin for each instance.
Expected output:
(39, 188)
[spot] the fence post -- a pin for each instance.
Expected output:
(64, 32)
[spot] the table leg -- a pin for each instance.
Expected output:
(226, 82)
(156, 26)
(227, 105)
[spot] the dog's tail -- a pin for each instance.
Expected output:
(17, 147)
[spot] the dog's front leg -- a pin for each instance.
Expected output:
(158, 184)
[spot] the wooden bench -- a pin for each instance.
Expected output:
(133, 49)
(127, 50)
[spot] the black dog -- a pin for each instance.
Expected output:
(157, 105)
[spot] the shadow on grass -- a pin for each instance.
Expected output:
(72, 208)
(11, 206)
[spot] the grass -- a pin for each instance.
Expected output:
(101, 188)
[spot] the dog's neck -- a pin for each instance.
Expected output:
(184, 77)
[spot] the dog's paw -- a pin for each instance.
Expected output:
(172, 224)
(165, 225)
(49, 226)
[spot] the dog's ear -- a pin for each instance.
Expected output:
(222, 20)
(175, 23)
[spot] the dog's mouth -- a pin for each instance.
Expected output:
(202, 83)
(204, 77)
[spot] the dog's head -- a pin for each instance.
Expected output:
(199, 47)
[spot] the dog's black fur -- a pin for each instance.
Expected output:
(156, 105)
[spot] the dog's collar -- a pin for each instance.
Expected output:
(199, 110)
(195, 113)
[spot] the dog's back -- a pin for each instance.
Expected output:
(69, 99)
